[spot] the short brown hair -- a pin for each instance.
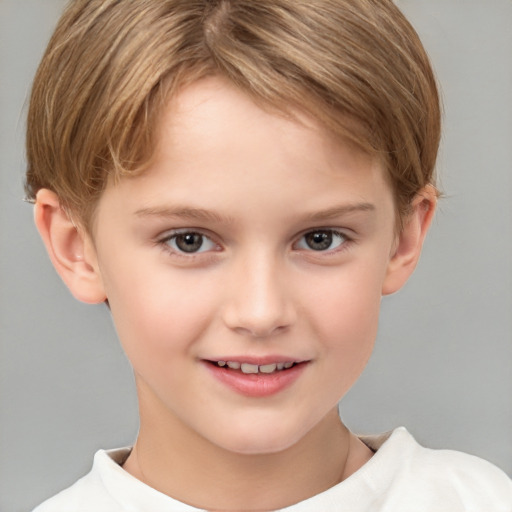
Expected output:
(357, 66)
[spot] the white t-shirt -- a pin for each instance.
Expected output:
(402, 476)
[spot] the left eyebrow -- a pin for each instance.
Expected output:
(339, 211)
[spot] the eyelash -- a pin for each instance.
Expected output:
(173, 236)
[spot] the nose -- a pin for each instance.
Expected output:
(259, 298)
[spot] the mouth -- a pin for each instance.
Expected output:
(257, 377)
(250, 368)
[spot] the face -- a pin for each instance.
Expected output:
(244, 269)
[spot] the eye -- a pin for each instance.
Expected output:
(189, 242)
(321, 240)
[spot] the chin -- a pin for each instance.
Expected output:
(258, 439)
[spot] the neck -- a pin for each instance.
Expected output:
(177, 461)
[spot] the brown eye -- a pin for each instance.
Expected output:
(190, 242)
(321, 240)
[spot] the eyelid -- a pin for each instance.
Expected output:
(169, 233)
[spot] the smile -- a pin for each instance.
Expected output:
(248, 368)
(256, 380)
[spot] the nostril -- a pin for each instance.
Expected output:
(260, 332)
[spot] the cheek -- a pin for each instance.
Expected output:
(158, 312)
(347, 303)
(345, 315)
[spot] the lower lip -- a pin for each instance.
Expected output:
(257, 384)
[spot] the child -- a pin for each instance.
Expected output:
(241, 182)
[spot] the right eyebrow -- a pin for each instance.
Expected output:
(183, 212)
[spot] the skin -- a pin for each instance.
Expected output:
(252, 184)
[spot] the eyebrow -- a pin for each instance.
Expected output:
(200, 214)
(183, 212)
(339, 211)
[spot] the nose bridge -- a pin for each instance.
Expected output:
(259, 302)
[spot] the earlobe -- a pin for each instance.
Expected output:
(70, 249)
(410, 240)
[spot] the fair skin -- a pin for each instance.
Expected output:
(252, 239)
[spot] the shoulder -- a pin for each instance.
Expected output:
(451, 480)
(89, 493)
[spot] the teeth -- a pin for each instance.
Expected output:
(268, 368)
(254, 368)
(249, 368)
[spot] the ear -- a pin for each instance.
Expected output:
(409, 243)
(70, 249)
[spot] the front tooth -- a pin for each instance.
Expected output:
(280, 366)
(288, 365)
(249, 368)
(268, 368)
(233, 365)
(221, 363)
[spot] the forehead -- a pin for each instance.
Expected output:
(217, 149)
(213, 116)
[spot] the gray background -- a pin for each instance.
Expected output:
(442, 365)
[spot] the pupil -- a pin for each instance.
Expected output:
(189, 242)
(319, 241)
